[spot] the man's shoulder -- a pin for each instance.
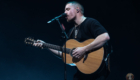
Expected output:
(89, 19)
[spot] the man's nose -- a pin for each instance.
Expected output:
(65, 12)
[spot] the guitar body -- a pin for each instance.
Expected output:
(89, 65)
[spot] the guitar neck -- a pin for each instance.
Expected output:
(47, 45)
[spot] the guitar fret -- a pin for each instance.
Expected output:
(56, 47)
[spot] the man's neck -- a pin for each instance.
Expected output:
(79, 20)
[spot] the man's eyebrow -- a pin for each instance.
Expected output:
(67, 8)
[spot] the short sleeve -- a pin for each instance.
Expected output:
(96, 28)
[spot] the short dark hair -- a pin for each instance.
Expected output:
(77, 4)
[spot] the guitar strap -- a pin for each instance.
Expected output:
(109, 50)
(71, 32)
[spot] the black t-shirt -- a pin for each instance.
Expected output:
(90, 28)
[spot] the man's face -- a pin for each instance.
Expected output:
(71, 12)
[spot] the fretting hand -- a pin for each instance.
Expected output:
(39, 43)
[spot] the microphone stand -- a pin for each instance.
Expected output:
(66, 37)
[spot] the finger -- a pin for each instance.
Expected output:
(34, 44)
(75, 54)
(40, 45)
(75, 49)
(38, 40)
(78, 56)
(37, 44)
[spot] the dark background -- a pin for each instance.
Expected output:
(23, 18)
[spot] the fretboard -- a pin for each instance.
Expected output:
(47, 45)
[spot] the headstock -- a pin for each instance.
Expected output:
(29, 41)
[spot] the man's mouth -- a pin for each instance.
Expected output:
(66, 17)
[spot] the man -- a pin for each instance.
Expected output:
(84, 28)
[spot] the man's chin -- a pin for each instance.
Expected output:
(69, 21)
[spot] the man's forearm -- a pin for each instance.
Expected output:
(56, 52)
(98, 42)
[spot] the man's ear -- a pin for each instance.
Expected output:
(77, 9)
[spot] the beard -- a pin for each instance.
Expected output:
(71, 20)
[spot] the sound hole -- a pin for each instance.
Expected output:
(72, 52)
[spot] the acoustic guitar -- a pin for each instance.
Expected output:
(87, 64)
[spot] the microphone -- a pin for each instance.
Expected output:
(62, 15)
